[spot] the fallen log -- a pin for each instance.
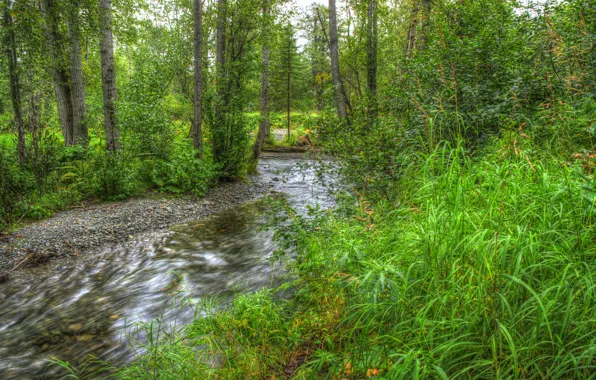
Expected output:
(288, 149)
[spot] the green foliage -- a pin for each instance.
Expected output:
(14, 185)
(44, 159)
(184, 172)
(483, 269)
(478, 272)
(114, 177)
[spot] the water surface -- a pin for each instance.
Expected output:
(86, 306)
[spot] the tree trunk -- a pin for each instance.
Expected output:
(220, 57)
(108, 76)
(264, 124)
(426, 5)
(335, 72)
(371, 61)
(289, 84)
(15, 90)
(197, 131)
(79, 108)
(35, 121)
(412, 31)
(59, 73)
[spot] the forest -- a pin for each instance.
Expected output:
(457, 139)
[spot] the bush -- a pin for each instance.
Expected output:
(114, 177)
(15, 184)
(184, 172)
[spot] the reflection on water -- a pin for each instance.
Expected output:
(85, 307)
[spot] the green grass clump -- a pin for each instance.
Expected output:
(484, 269)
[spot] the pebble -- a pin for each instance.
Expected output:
(83, 230)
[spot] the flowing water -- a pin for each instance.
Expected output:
(70, 310)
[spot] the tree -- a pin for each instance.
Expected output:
(108, 76)
(317, 51)
(220, 58)
(58, 69)
(197, 133)
(15, 90)
(412, 29)
(340, 97)
(426, 7)
(264, 123)
(371, 61)
(79, 108)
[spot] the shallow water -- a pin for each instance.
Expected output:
(86, 306)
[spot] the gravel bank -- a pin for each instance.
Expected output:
(75, 232)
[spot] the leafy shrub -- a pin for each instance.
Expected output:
(44, 156)
(15, 184)
(114, 177)
(184, 172)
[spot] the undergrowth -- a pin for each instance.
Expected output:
(483, 269)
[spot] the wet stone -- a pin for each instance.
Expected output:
(75, 327)
(85, 338)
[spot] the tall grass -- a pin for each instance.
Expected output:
(485, 269)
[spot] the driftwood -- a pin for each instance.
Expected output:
(5, 276)
(288, 149)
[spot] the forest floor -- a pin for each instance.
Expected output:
(78, 231)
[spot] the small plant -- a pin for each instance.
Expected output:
(183, 172)
(113, 176)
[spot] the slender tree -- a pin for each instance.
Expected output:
(15, 90)
(265, 123)
(59, 72)
(108, 76)
(371, 60)
(220, 59)
(340, 97)
(289, 52)
(426, 7)
(197, 131)
(79, 108)
(412, 29)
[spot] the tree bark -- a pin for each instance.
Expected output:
(15, 90)
(197, 131)
(335, 71)
(371, 61)
(108, 76)
(412, 30)
(220, 53)
(289, 82)
(426, 5)
(79, 108)
(265, 123)
(59, 73)
(35, 121)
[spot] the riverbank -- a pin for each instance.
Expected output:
(77, 231)
(95, 302)
(481, 268)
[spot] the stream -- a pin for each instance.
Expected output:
(86, 306)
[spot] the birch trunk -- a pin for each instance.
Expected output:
(197, 131)
(108, 76)
(220, 62)
(265, 123)
(412, 29)
(371, 61)
(335, 72)
(59, 73)
(79, 108)
(15, 90)
(426, 6)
